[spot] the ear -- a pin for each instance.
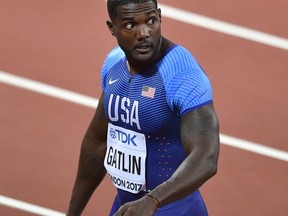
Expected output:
(159, 13)
(110, 27)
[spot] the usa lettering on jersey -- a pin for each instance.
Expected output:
(130, 110)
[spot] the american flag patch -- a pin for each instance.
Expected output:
(148, 92)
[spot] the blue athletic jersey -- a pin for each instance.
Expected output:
(152, 102)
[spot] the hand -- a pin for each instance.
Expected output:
(142, 207)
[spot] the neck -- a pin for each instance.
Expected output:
(135, 67)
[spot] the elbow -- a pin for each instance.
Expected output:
(211, 165)
(212, 161)
(212, 169)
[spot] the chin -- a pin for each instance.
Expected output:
(144, 57)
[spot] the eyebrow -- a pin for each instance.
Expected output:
(130, 17)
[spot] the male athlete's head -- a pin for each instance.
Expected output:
(136, 24)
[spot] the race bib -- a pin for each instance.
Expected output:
(125, 158)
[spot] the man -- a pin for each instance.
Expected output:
(155, 130)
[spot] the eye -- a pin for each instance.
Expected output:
(151, 21)
(129, 26)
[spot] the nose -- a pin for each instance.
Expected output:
(143, 32)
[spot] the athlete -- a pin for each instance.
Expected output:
(155, 130)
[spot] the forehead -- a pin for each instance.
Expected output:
(132, 10)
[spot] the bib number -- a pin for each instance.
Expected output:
(125, 158)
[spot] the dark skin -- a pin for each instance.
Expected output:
(91, 169)
(137, 28)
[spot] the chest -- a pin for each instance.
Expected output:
(138, 103)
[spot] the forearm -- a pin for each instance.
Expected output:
(82, 191)
(191, 174)
(200, 138)
(90, 174)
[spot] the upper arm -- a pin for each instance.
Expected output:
(91, 170)
(97, 129)
(200, 139)
(200, 132)
(94, 146)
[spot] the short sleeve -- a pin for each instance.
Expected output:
(189, 90)
(187, 86)
(112, 58)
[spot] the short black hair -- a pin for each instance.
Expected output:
(113, 4)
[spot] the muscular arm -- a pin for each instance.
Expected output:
(91, 170)
(200, 138)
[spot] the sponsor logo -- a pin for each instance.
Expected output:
(123, 137)
(111, 81)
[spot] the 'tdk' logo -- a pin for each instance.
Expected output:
(123, 137)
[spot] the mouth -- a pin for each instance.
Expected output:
(144, 47)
